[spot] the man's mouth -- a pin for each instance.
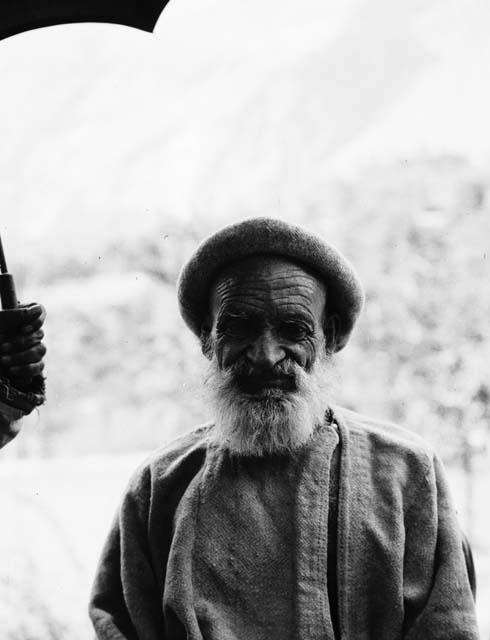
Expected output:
(258, 385)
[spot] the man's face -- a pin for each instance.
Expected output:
(268, 374)
(265, 310)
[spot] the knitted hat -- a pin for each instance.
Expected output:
(269, 236)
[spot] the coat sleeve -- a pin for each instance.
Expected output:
(470, 565)
(448, 612)
(9, 425)
(125, 602)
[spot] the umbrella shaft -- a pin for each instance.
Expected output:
(7, 291)
(3, 262)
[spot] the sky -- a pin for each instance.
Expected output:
(228, 109)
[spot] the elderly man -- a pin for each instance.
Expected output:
(286, 517)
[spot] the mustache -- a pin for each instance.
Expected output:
(252, 378)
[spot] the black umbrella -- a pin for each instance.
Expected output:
(22, 15)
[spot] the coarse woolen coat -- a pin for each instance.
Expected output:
(210, 546)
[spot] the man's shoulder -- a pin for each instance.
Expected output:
(193, 440)
(180, 454)
(384, 436)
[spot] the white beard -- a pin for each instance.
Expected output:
(275, 422)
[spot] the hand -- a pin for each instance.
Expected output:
(21, 347)
(21, 365)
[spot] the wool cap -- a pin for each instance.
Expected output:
(270, 236)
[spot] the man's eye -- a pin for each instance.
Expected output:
(293, 331)
(236, 328)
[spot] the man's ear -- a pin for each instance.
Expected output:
(331, 329)
(206, 339)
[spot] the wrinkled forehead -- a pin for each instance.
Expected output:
(268, 284)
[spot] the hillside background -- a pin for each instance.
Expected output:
(120, 151)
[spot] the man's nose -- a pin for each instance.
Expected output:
(265, 351)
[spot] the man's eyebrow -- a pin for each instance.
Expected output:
(295, 318)
(231, 314)
(295, 314)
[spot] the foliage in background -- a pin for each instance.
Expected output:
(124, 371)
(420, 234)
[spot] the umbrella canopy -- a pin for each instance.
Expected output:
(17, 16)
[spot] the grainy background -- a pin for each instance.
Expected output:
(367, 121)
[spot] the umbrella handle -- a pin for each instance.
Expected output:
(7, 291)
(9, 301)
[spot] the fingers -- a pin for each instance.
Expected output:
(31, 308)
(23, 364)
(22, 321)
(24, 371)
(28, 356)
(21, 343)
(33, 317)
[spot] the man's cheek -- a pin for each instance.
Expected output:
(306, 354)
(226, 354)
(227, 351)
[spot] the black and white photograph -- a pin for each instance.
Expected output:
(244, 323)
